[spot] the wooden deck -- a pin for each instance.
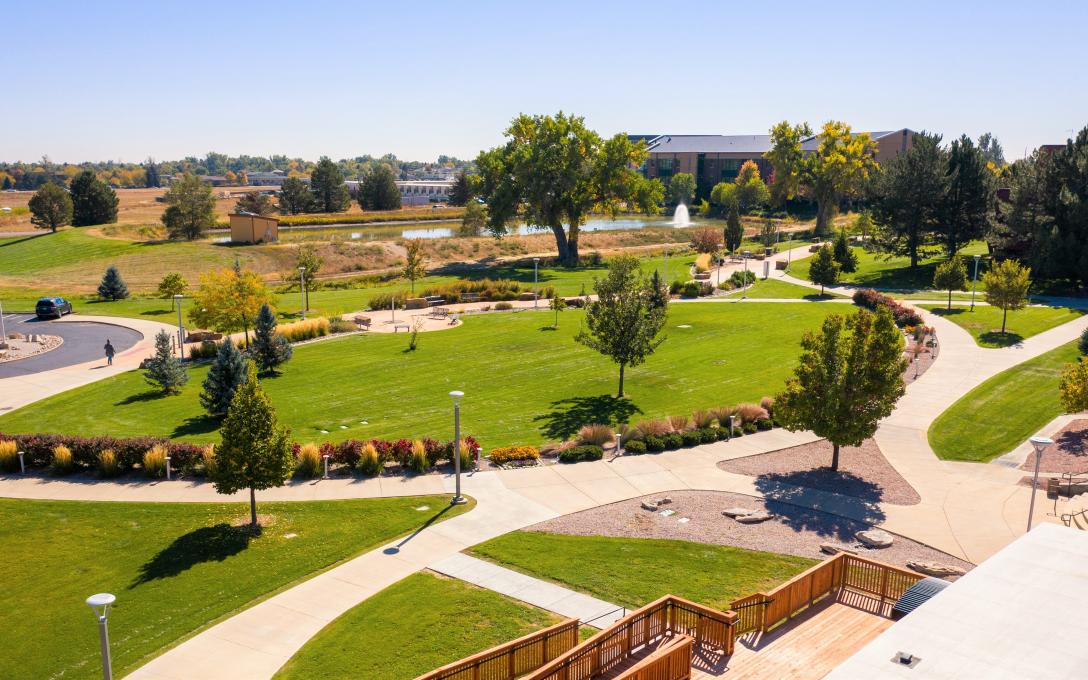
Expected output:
(806, 648)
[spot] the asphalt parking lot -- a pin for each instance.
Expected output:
(83, 341)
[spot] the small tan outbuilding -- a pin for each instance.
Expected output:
(249, 228)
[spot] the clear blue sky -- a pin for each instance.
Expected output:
(124, 81)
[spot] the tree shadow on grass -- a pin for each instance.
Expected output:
(569, 415)
(207, 544)
(149, 395)
(801, 500)
(999, 339)
(944, 311)
(196, 425)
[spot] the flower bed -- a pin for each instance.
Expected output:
(872, 300)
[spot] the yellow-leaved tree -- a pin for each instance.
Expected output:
(228, 300)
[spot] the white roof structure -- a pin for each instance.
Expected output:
(1021, 614)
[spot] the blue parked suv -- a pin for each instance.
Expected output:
(52, 307)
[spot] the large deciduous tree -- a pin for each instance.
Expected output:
(1007, 285)
(328, 188)
(93, 202)
(415, 261)
(624, 322)
(227, 300)
(751, 191)
(255, 453)
(190, 210)
(788, 160)
(682, 188)
(1073, 387)
(555, 171)
(378, 190)
(907, 197)
(50, 207)
(849, 378)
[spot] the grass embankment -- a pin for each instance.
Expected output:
(414, 626)
(405, 215)
(632, 572)
(773, 289)
(524, 382)
(1001, 413)
(174, 567)
(876, 270)
(984, 323)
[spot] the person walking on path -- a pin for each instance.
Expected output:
(109, 352)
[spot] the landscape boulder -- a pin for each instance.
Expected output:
(755, 517)
(737, 512)
(836, 548)
(875, 538)
(934, 569)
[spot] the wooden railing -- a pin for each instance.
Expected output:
(708, 628)
(672, 661)
(512, 659)
(764, 611)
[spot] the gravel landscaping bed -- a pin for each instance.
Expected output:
(1069, 453)
(793, 531)
(863, 471)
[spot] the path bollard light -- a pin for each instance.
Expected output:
(100, 605)
(974, 285)
(1040, 444)
(732, 419)
(22, 463)
(456, 395)
(181, 328)
(302, 290)
(168, 471)
(325, 457)
(479, 455)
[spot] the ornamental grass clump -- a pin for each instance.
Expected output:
(750, 413)
(207, 460)
(654, 428)
(108, 465)
(702, 419)
(465, 449)
(62, 462)
(722, 413)
(305, 330)
(598, 435)
(417, 459)
(679, 423)
(155, 461)
(767, 404)
(369, 463)
(308, 463)
(9, 456)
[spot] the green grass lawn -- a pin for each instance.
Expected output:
(174, 567)
(635, 571)
(1001, 413)
(774, 289)
(524, 382)
(414, 626)
(875, 270)
(984, 323)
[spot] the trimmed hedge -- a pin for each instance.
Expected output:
(580, 453)
(635, 446)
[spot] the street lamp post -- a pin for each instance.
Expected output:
(100, 604)
(666, 266)
(1040, 444)
(456, 395)
(789, 250)
(744, 294)
(718, 257)
(974, 285)
(536, 294)
(181, 329)
(3, 331)
(302, 290)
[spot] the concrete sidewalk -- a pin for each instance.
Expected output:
(563, 601)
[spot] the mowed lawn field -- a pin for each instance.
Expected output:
(984, 322)
(876, 270)
(174, 567)
(523, 381)
(1001, 413)
(636, 571)
(414, 626)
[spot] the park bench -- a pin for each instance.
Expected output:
(470, 297)
(398, 326)
(439, 313)
(362, 322)
(434, 300)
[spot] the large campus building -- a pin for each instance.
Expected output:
(717, 158)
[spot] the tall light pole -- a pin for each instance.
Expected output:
(744, 294)
(3, 332)
(666, 266)
(456, 395)
(974, 285)
(1040, 444)
(100, 604)
(536, 295)
(789, 250)
(718, 257)
(181, 329)
(302, 290)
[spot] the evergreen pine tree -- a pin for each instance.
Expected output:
(164, 370)
(824, 269)
(270, 349)
(93, 202)
(113, 286)
(228, 371)
(734, 230)
(848, 261)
